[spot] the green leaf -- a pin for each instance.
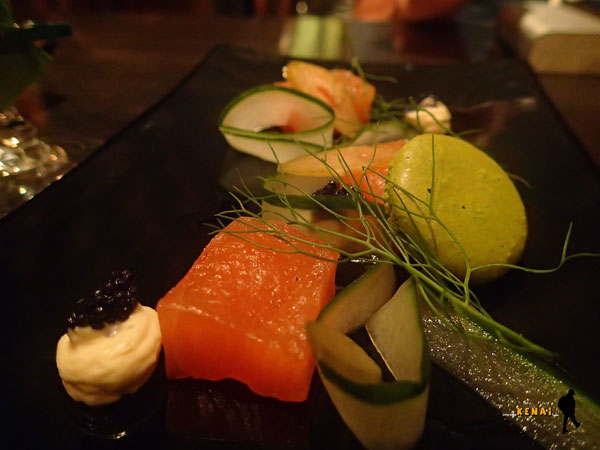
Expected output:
(19, 67)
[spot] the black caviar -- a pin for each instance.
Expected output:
(113, 302)
(331, 188)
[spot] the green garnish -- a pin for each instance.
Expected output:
(444, 292)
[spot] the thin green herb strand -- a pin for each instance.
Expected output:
(432, 278)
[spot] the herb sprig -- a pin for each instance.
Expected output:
(442, 290)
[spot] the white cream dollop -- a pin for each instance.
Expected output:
(433, 116)
(99, 366)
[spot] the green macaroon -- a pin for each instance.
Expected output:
(478, 207)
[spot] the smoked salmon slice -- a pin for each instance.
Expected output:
(241, 310)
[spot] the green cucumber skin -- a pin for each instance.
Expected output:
(536, 361)
(508, 379)
(383, 393)
(393, 426)
(273, 136)
(335, 313)
(351, 287)
(332, 315)
(384, 415)
(333, 202)
(272, 150)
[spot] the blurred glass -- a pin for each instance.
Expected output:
(27, 164)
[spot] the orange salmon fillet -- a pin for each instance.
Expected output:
(241, 310)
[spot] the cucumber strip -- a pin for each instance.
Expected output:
(375, 132)
(401, 347)
(394, 426)
(270, 211)
(356, 303)
(292, 185)
(266, 148)
(382, 415)
(264, 107)
(297, 189)
(509, 380)
(333, 202)
(341, 355)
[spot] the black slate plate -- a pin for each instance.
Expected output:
(140, 201)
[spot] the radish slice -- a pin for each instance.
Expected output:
(264, 107)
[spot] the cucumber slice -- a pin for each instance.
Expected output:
(342, 355)
(297, 190)
(264, 107)
(298, 179)
(402, 346)
(292, 185)
(393, 426)
(355, 304)
(382, 415)
(270, 211)
(373, 133)
(333, 202)
(509, 380)
(355, 157)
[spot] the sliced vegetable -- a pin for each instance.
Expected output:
(305, 175)
(482, 344)
(308, 123)
(333, 202)
(401, 345)
(373, 133)
(294, 188)
(356, 158)
(288, 197)
(350, 309)
(382, 415)
(342, 355)
(510, 381)
(288, 194)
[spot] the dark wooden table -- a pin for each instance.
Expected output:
(116, 65)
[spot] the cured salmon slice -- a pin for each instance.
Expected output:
(241, 310)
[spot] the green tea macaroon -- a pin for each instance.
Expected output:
(475, 201)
